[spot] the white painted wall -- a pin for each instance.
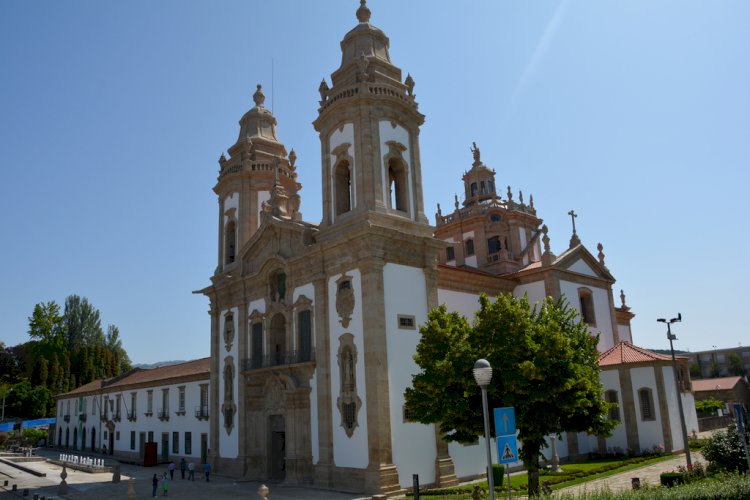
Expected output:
(143, 423)
(649, 432)
(308, 291)
(471, 261)
(461, 302)
(691, 417)
(413, 444)
(348, 452)
(535, 290)
(623, 331)
(580, 266)
(399, 134)
(229, 443)
(601, 309)
(471, 460)
(338, 137)
(611, 381)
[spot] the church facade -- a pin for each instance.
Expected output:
(313, 325)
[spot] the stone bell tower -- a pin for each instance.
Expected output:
(258, 176)
(369, 122)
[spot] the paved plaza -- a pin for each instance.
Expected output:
(86, 486)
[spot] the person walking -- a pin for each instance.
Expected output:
(183, 466)
(165, 485)
(171, 467)
(207, 471)
(154, 484)
(191, 471)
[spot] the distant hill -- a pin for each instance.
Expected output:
(668, 352)
(158, 364)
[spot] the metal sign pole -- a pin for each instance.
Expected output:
(739, 414)
(507, 471)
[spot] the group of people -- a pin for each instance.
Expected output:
(169, 475)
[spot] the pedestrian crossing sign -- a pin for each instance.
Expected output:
(507, 449)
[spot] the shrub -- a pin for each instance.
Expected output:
(724, 451)
(498, 473)
(670, 479)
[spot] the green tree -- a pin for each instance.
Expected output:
(709, 405)
(46, 325)
(545, 365)
(715, 371)
(735, 365)
(83, 326)
(114, 344)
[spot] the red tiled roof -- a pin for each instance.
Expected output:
(142, 376)
(625, 353)
(715, 384)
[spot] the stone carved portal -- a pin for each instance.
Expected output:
(228, 407)
(348, 402)
(344, 299)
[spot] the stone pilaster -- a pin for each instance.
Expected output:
(381, 474)
(214, 418)
(323, 378)
(629, 409)
(445, 470)
(661, 393)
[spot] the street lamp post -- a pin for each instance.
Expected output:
(672, 337)
(2, 419)
(483, 374)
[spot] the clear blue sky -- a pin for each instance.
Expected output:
(113, 114)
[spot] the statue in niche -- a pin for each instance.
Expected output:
(228, 332)
(278, 287)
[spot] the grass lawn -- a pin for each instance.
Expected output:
(570, 471)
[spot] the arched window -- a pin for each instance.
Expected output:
(493, 245)
(450, 254)
(473, 189)
(611, 397)
(470, 247)
(586, 301)
(342, 177)
(398, 197)
(646, 401)
(230, 241)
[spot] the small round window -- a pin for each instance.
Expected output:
(495, 217)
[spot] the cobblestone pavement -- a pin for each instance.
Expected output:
(85, 486)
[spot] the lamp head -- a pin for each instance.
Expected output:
(661, 320)
(482, 373)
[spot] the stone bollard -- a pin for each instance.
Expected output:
(62, 488)
(263, 492)
(131, 489)
(636, 483)
(116, 474)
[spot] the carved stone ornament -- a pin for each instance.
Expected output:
(228, 407)
(344, 299)
(228, 331)
(348, 402)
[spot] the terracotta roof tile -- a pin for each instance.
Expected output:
(625, 353)
(713, 384)
(143, 376)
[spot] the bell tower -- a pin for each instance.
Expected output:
(257, 174)
(369, 122)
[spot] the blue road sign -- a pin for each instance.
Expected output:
(505, 421)
(507, 449)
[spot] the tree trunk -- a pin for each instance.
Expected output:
(533, 474)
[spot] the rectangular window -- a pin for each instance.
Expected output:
(133, 399)
(647, 404)
(150, 436)
(493, 245)
(450, 253)
(611, 397)
(150, 403)
(181, 402)
(132, 440)
(188, 443)
(305, 335)
(175, 442)
(117, 435)
(408, 416)
(406, 322)
(257, 359)
(469, 247)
